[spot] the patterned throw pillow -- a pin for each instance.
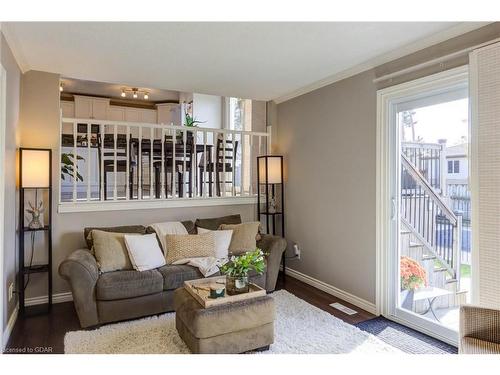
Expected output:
(185, 246)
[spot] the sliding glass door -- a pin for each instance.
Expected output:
(429, 258)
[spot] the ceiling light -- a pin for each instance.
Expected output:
(135, 91)
(61, 87)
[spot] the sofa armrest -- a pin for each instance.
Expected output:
(480, 323)
(81, 271)
(274, 246)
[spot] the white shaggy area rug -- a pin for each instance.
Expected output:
(300, 328)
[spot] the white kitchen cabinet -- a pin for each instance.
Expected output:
(148, 116)
(169, 113)
(68, 109)
(90, 107)
(116, 113)
(132, 114)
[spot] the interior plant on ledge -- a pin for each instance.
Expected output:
(191, 121)
(237, 268)
(413, 276)
(68, 166)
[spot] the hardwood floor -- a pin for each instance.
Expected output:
(45, 333)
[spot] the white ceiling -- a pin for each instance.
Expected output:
(250, 60)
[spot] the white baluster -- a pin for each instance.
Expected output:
(127, 170)
(139, 161)
(194, 181)
(151, 139)
(250, 155)
(89, 159)
(204, 179)
(184, 139)
(233, 173)
(101, 177)
(223, 163)
(75, 161)
(163, 193)
(174, 167)
(115, 163)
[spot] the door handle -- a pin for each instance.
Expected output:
(393, 209)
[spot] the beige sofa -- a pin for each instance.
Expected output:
(114, 296)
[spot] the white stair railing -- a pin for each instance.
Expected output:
(130, 161)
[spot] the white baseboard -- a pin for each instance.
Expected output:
(56, 298)
(9, 327)
(330, 289)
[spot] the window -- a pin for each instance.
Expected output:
(453, 166)
(239, 117)
(239, 114)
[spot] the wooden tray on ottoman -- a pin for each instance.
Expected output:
(203, 296)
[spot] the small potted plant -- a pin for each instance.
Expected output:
(413, 277)
(237, 268)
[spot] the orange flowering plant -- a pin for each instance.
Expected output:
(413, 276)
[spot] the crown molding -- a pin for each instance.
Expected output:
(421, 44)
(15, 46)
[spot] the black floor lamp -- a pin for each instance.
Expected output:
(35, 181)
(270, 195)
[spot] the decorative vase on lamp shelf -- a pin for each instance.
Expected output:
(36, 212)
(272, 205)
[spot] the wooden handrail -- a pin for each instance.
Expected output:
(429, 189)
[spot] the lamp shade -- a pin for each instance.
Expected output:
(274, 169)
(35, 168)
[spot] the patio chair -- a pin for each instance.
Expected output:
(479, 331)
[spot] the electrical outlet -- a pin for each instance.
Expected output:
(296, 251)
(11, 291)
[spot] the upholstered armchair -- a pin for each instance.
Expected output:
(479, 330)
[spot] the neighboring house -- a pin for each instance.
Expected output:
(457, 164)
(457, 182)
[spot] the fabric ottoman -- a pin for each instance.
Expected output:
(229, 328)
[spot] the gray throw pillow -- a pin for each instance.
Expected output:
(110, 251)
(87, 232)
(215, 222)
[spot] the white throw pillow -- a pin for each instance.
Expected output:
(144, 252)
(222, 241)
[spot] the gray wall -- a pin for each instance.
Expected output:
(11, 205)
(327, 138)
(39, 125)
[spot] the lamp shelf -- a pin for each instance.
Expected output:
(39, 268)
(35, 173)
(271, 213)
(28, 229)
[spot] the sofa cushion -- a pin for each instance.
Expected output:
(140, 229)
(175, 275)
(128, 284)
(215, 222)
